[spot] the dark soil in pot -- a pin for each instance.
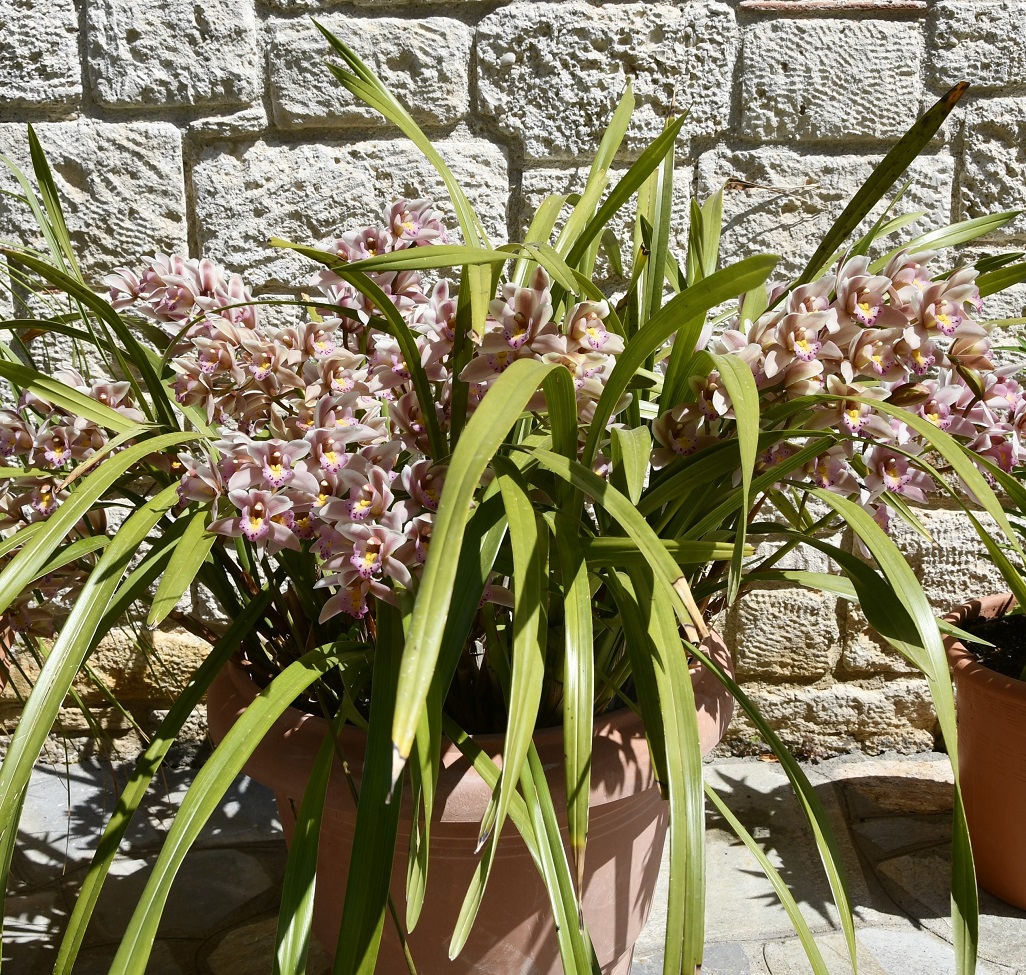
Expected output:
(1008, 634)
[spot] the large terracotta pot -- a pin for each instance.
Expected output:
(991, 758)
(514, 932)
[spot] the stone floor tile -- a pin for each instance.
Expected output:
(247, 948)
(896, 787)
(741, 902)
(167, 958)
(885, 836)
(918, 884)
(211, 887)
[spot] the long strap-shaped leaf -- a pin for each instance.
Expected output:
(668, 577)
(203, 798)
(67, 398)
(185, 564)
(883, 177)
(578, 685)
(484, 536)
(485, 431)
(667, 701)
(920, 636)
(132, 360)
(697, 300)
(295, 915)
(778, 883)
(366, 86)
(146, 767)
(739, 382)
(530, 561)
(70, 650)
(377, 815)
(575, 948)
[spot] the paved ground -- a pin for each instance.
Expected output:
(891, 816)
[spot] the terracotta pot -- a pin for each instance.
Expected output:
(514, 932)
(991, 757)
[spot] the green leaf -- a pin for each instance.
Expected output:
(485, 431)
(183, 707)
(540, 231)
(51, 200)
(530, 565)
(73, 401)
(744, 397)
(295, 915)
(780, 888)
(575, 947)
(428, 258)
(685, 903)
(609, 550)
(688, 305)
(578, 684)
(598, 174)
(70, 649)
(185, 564)
(915, 633)
(950, 236)
(631, 450)
(996, 281)
(377, 814)
(883, 177)
(205, 796)
(27, 564)
(628, 185)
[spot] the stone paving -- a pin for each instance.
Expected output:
(891, 817)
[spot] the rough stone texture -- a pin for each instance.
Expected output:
(423, 62)
(984, 42)
(290, 5)
(954, 566)
(537, 184)
(157, 53)
(784, 633)
(796, 198)
(824, 720)
(531, 55)
(39, 53)
(308, 193)
(788, 93)
(865, 653)
(120, 186)
(994, 173)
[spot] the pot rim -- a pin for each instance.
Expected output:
(963, 663)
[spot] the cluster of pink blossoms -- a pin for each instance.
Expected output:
(323, 443)
(323, 447)
(47, 443)
(897, 336)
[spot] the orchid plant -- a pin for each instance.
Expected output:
(350, 484)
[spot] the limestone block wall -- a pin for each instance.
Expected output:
(210, 126)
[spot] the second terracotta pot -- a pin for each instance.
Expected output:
(991, 757)
(514, 932)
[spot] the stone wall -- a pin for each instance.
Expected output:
(211, 126)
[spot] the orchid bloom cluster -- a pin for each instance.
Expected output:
(323, 445)
(40, 445)
(856, 337)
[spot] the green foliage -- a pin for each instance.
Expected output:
(613, 563)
